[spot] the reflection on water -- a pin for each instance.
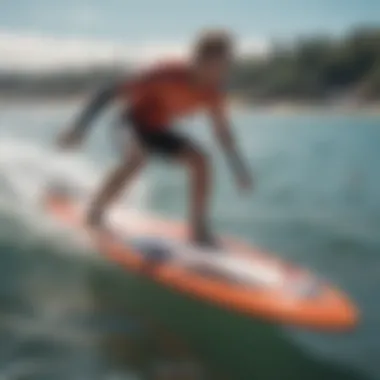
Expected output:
(139, 345)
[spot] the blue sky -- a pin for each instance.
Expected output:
(140, 20)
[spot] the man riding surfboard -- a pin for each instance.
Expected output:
(154, 100)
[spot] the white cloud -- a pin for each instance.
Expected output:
(22, 51)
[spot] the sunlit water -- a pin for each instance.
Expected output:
(66, 313)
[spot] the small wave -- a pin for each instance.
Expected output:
(27, 168)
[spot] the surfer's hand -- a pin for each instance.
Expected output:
(69, 139)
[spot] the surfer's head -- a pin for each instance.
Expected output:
(213, 54)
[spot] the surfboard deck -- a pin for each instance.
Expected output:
(238, 278)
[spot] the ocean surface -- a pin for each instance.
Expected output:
(66, 313)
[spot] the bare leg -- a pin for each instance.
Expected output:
(200, 175)
(117, 179)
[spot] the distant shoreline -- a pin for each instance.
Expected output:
(236, 103)
(294, 108)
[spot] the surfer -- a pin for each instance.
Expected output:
(153, 101)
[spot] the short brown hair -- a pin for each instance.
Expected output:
(213, 44)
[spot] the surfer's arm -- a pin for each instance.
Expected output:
(77, 132)
(101, 99)
(81, 125)
(223, 133)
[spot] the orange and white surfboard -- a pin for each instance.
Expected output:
(239, 278)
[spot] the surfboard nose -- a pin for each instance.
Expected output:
(343, 314)
(332, 311)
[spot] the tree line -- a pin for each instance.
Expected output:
(313, 69)
(319, 68)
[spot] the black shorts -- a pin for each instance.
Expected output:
(163, 141)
